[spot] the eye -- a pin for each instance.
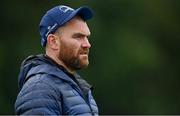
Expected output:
(88, 37)
(78, 36)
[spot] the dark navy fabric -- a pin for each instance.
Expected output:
(46, 89)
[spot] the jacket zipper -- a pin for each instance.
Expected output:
(86, 100)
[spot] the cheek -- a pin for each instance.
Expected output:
(70, 48)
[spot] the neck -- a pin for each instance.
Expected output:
(57, 60)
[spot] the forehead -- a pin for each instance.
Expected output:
(75, 25)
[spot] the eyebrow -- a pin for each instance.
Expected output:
(80, 35)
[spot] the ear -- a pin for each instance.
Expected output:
(53, 42)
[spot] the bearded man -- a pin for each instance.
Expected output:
(49, 83)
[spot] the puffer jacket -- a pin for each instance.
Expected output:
(46, 89)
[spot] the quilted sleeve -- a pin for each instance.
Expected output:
(38, 97)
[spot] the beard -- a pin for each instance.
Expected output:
(74, 60)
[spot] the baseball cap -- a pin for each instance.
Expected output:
(58, 16)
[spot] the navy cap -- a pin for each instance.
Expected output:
(58, 16)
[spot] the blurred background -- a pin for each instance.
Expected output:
(134, 58)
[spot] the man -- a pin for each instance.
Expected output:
(49, 84)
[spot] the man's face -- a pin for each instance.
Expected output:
(74, 44)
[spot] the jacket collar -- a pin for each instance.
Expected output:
(41, 64)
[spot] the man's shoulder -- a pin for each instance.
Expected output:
(42, 83)
(44, 78)
(45, 70)
(38, 92)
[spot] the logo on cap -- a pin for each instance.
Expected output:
(50, 29)
(65, 9)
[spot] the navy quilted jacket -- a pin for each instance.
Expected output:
(46, 89)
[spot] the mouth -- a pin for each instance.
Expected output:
(84, 55)
(86, 52)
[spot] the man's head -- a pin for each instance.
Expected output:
(58, 16)
(69, 44)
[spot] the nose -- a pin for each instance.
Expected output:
(86, 43)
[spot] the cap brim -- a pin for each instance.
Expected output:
(84, 12)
